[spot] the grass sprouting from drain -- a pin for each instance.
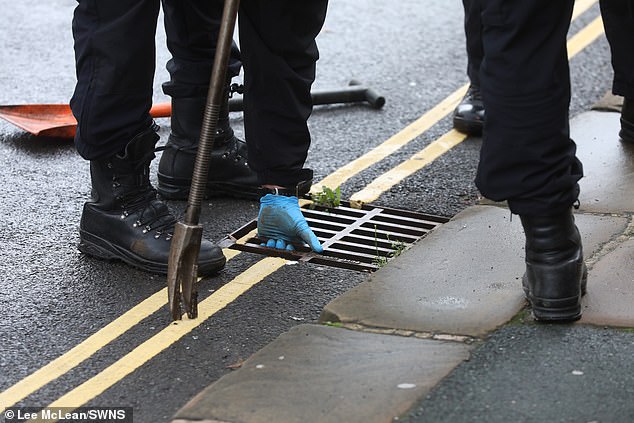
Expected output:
(397, 249)
(327, 198)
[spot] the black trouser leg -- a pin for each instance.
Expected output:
(192, 34)
(115, 56)
(618, 20)
(277, 41)
(468, 116)
(192, 29)
(473, 33)
(527, 155)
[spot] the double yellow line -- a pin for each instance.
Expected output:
(256, 273)
(451, 138)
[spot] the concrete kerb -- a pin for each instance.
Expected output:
(463, 279)
(316, 373)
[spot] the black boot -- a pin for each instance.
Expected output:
(469, 115)
(125, 221)
(556, 275)
(229, 173)
(627, 121)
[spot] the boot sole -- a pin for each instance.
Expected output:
(584, 283)
(104, 250)
(181, 192)
(468, 127)
(559, 310)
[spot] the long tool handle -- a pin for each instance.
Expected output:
(212, 110)
(183, 260)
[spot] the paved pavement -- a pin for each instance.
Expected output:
(442, 333)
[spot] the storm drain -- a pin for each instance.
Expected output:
(356, 239)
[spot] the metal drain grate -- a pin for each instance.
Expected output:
(356, 239)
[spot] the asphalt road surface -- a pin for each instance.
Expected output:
(99, 334)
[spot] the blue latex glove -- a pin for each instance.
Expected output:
(281, 222)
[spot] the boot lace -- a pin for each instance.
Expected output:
(137, 196)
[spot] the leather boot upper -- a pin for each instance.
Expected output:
(468, 117)
(555, 270)
(125, 220)
(229, 172)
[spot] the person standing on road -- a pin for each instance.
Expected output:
(527, 156)
(115, 63)
(618, 21)
(468, 117)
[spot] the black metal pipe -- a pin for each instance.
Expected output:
(182, 266)
(354, 93)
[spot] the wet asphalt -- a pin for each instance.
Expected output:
(532, 372)
(53, 297)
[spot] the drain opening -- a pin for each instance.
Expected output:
(356, 239)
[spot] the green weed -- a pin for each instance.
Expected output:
(327, 198)
(397, 249)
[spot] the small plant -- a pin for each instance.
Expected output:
(379, 261)
(397, 248)
(327, 198)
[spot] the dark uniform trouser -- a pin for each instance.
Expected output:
(115, 61)
(618, 19)
(473, 33)
(527, 155)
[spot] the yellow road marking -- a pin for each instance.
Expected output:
(119, 326)
(584, 37)
(88, 347)
(168, 336)
(394, 143)
(419, 160)
(452, 138)
(580, 7)
(411, 131)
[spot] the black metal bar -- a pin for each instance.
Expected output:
(353, 93)
(185, 247)
(215, 97)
